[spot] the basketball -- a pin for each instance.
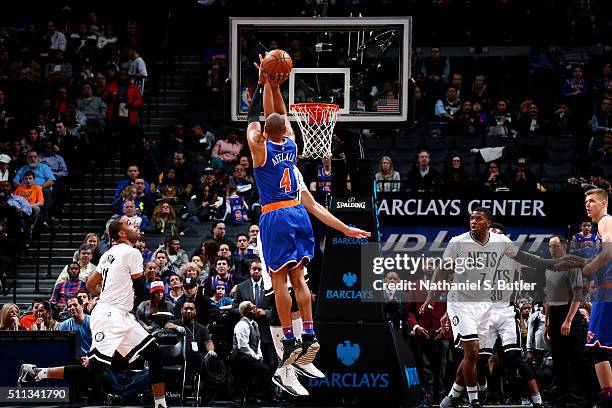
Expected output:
(277, 62)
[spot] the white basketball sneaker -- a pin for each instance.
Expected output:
(286, 379)
(308, 370)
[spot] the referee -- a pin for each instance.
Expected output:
(567, 329)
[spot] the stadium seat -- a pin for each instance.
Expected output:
(464, 144)
(561, 142)
(496, 141)
(556, 171)
(173, 348)
(562, 156)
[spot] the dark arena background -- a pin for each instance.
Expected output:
(139, 109)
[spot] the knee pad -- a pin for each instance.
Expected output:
(153, 355)
(514, 359)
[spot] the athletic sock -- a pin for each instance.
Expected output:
(606, 394)
(483, 387)
(308, 327)
(277, 335)
(288, 333)
(472, 393)
(160, 401)
(296, 322)
(456, 390)
(536, 398)
(42, 374)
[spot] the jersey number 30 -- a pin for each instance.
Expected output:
(286, 181)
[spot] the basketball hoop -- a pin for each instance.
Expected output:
(316, 121)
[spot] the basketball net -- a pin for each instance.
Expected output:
(316, 121)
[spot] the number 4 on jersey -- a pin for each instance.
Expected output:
(286, 181)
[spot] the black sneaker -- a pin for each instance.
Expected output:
(291, 351)
(483, 396)
(310, 348)
(450, 402)
(27, 375)
(537, 405)
(475, 404)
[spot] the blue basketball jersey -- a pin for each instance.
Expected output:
(603, 277)
(323, 180)
(586, 247)
(238, 211)
(276, 180)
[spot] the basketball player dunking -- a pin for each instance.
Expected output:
(599, 336)
(286, 234)
(113, 327)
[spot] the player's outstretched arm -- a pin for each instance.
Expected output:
(558, 264)
(329, 219)
(255, 138)
(604, 257)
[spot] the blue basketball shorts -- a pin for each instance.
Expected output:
(286, 237)
(600, 325)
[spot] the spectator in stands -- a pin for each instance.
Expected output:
(600, 122)
(99, 84)
(86, 267)
(67, 142)
(79, 323)
(93, 240)
(247, 358)
(422, 177)
(190, 270)
(143, 200)
(457, 82)
(585, 243)
(323, 176)
(175, 288)
(29, 318)
(223, 276)
(448, 109)
(140, 221)
(93, 107)
(24, 210)
(123, 100)
(5, 173)
(199, 142)
(603, 155)
(152, 274)
(492, 179)
(54, 161)
(217, 53)
(207, 251)
(575, 85)
(169, 189)
(481, 93)
(532, 124)
(203, 206)
(82, 43)
(245, 162)
(9, 317)
(88, 302)
(242, 247)
(252, 290)
(436, 63)
(386, 174)
(55, 39)
(128, 194)
(33, 140)
(58, 72)
(539, 62)
(522, 179)
(225, 252)
(133, 172)
(137, 68)
(107, 44)
(157, 303)
(215, 80)
(228, 150)
(220, 298)
(44, 319)
(501, 123)
(217, 234)
(34, 195)
(236, 209)
(43, 175)
(197, 336)
(205, 311)
(141, 245)
(253, 232)
(564, 121)
(468, 122)
(183, 173)
(163, 220)
(17, 155)
(161, 260)
(177, 257)
(456, 180)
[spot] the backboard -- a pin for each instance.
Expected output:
(361, 64)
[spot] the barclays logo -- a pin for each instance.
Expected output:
(349, 279)
(348, 353)
(349, 241)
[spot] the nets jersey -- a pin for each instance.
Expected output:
(508, 271)
(475, 262)
(276, 179)
(117, 266)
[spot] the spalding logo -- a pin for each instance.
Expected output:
(348, 353)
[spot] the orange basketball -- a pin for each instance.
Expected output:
(277, 62)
